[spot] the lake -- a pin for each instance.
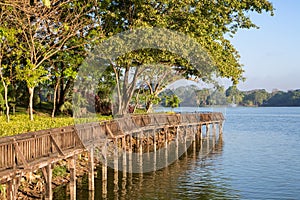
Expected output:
(259, 158)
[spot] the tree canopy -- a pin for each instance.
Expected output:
(51, 38)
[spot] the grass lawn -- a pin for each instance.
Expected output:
(20, 123)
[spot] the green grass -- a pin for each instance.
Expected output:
(20, 123)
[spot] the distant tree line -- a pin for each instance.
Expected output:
(193, 96)
(260, 97)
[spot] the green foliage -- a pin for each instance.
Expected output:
(47, 3)
(290, 98)
(59, 171)
(50, 48)
(233, 95)
(2, 101)
(217, 97)
(140, 111)
(255, 97)
(172, 101)
(208, 22)
(31, 74)
(2, 191)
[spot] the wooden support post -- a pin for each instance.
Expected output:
(104, 169)
(213, 141)
(47, 171)
(177, 142)
(185, 139)
(194, 149)
(72, 166)
(214, 129)
(207, 130)
(166, 157)
(154, 160)
(207, 143)
(194, 133)
(130, 154)
(200, 131)
(201, 148)
(91, 170)
(91, 195)
(154, 140)
(140, 163)
(140, 143)
(130, 142)
(124, 153)
(220, 128)
(11, 190)
(166, 136)
(148, 142)
(124, 178)
(116, 166)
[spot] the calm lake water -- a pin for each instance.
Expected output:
(258, 159)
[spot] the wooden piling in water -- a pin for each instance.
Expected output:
(72, 168)
(91, 170)
(47, 172)
(220, 128)
(207, 130)
(116, 165)
(104, 169)
(154, 140)
(12, 189)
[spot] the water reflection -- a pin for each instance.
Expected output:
(195, 175)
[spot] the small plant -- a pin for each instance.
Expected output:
(59, 171)
(2, 191)
(172, 101)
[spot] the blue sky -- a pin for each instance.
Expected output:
(271, 54)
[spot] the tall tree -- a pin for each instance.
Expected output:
(208, 22)
(9, 55)
(45, 29)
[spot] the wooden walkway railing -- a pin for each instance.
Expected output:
(30, 151)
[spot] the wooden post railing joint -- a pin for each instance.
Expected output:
(53, 141)
(19, 154)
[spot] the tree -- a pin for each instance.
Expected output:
(172, 101)
(234, 95)
(154, 80)
(256, 97)
(45, 28)
(217, 96)
(208, 22)
(9, 55)
(203, 95)
(64, 67)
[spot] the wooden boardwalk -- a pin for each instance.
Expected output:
(27, 152)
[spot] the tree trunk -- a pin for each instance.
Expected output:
(31, 91)
(149, 106)
(6, 101)
(55, 99)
